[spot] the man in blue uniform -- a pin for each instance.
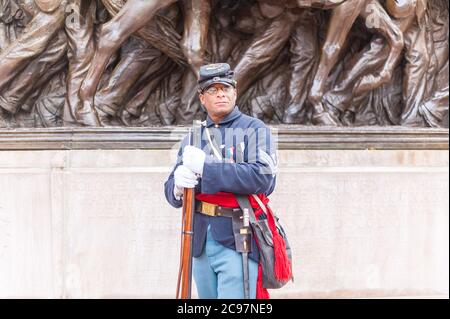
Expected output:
(236, 156)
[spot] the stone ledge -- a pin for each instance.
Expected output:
(290, 137)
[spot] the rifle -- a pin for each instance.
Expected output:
(187, 228)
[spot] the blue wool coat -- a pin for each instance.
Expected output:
(248, 167)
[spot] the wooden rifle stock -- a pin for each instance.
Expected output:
(187, 234)
(186, 246)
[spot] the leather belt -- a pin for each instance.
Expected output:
(215, 210)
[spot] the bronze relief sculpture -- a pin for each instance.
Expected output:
(135, 63)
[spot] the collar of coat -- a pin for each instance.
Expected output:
(229, 118)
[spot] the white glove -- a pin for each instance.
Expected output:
(194, 159)
(184, 178)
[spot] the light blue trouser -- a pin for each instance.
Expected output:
(218, 272)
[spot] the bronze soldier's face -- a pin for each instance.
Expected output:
(219, 100)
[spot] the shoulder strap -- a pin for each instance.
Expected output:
(244, 203)
(260, 203)
(214, 145)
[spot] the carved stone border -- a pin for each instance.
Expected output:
(290, 137)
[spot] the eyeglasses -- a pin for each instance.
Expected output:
(214, 90)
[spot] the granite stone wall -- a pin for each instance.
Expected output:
(95, 224)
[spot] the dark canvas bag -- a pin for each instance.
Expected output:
(264, 238)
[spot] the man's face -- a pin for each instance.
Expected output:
(219, 100)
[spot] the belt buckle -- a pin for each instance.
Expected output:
(209, 209)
